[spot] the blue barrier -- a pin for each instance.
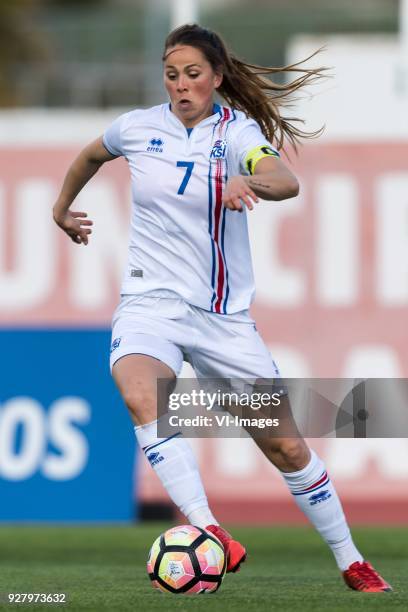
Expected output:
(66, 440)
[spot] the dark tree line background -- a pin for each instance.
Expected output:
(98, 52)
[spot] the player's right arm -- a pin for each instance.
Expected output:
(88, 162)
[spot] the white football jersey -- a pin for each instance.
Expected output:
(182, 239)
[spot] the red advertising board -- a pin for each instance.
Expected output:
(332, 292)
(331, 265)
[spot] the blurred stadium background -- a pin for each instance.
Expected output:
(331, 266)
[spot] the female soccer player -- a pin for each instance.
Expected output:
(196, 167)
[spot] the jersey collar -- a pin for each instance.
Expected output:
(214, 118)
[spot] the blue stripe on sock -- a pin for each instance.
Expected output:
(148, 448)
(311, 490)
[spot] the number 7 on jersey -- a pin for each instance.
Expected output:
(189, 169)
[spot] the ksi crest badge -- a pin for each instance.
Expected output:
(219, 149)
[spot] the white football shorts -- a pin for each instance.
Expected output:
(173, 331)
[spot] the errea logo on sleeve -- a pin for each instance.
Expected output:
(155, 145)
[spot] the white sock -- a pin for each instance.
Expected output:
(175, 464)
(316, 496)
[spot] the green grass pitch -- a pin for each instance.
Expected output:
(103, 568)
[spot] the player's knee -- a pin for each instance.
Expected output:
(140, 399)
(293, 454)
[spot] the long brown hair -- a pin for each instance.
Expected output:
(245, 86)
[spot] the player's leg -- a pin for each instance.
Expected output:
(306, 477)
(146, 338)
(243, 355)
(171, 458)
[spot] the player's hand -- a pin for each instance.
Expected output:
(236, 192)
(75, 225)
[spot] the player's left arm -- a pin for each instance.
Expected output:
(271, 180)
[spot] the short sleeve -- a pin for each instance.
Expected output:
(252, 146)
(112, 137)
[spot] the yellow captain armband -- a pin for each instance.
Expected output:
(256, 154)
